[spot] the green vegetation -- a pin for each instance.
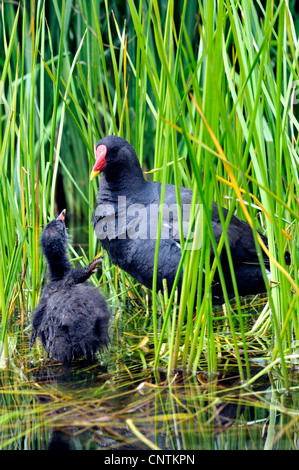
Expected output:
(88, 408)
(206, 93)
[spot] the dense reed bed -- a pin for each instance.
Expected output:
(206, 92)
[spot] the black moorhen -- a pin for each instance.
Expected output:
(129, 240)
(72, 318)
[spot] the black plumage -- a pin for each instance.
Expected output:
(72, 318)
(122, 185)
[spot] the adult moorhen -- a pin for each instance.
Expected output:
(130, 240)
(72, 318)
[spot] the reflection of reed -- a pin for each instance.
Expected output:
(88, 407)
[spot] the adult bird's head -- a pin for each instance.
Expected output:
(116, 158)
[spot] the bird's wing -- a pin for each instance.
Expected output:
(241, 239)
(38, 315)
(240, 235)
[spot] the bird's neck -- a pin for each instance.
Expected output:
(59, 266)
(123, 184)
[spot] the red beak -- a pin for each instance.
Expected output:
(100, 163)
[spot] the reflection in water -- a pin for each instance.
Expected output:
(115, 404)
(92, 407)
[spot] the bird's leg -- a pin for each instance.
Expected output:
(92, 266)
(83, 274)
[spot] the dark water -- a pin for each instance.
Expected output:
(106, 406)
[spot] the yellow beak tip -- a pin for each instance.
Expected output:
(94, 174)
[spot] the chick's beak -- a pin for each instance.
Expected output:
(62, 215)
(100, 164)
